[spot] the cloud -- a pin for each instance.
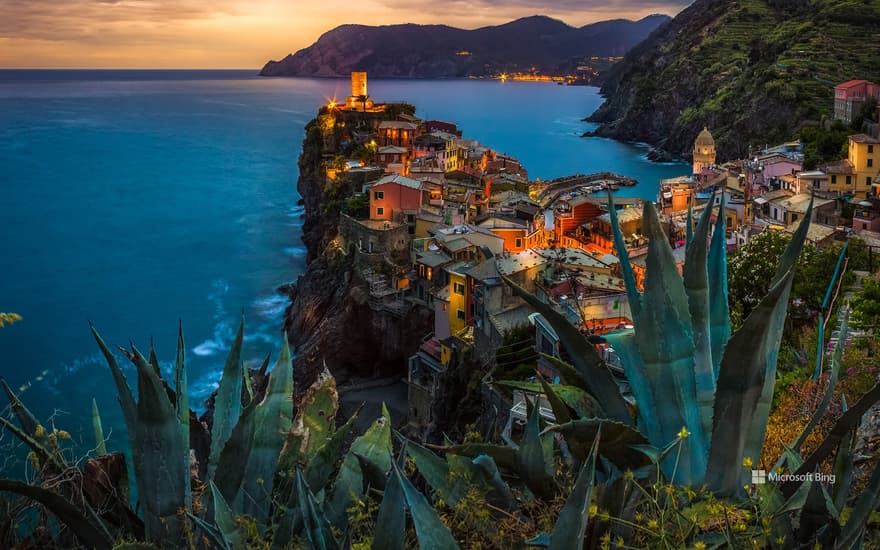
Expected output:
(100, 20)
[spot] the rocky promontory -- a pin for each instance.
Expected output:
(331, 320)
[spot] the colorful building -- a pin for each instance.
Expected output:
(394, 197)
(864, 154)
(850, 96)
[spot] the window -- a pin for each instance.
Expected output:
(378, 195)
(380, 211)
(519, 243)
(833, 179)
(444, 307)
(868, 181)
(459, 314)
(870, 149)
(794, 218)
(849, 180)
(458, 288)
(870, 163)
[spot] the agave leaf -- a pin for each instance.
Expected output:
(624, 343)
(541, 540)
(235, 454)
(126, 400)
(584, 357)
(665, 340)
(317, 410)
(272, 421)
(490, 474)
(696, 284)
(829, 390)
(571, 376)
(375, 444)
(792, 457)
(689, 231)
(571, 525)
(615, 444)
(100, 446)
(561, 398)
(319, 468)
(25, 417)
(430, 531)
(227, 404)
(225, 520)
(719, 308)
(739, 404)
(629, 278)
(864, 506)
(264, 367)
(181, 402)
(372, 473)
(159, 448)
(88, 533)
(434, 469)
(530, 460)
(504, 456)
(316, 527)
(818, 517)
(391, 520)
(843, 468)
(848, 421)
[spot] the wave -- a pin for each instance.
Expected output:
(271, 307)
(296, 251)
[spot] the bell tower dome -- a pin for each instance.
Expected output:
(704, 151)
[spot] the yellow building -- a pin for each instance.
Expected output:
(704, 151)
(864, 155)
(458, 301)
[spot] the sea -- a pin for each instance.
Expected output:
(139, 200)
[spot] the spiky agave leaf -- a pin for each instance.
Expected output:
(719, 308)
(629, 279)
(434, 469)
(818, 518)
(391, 520)
(843, 467)
(100, 446)
(375, 444)
(571, 525)
(88, 533)
(615, 445)
(227, 403)
(864, 506)
(235, 455)
(624, 343)
(584, 357)
(492, 476)
(570, 396)
(159, 448)
(695, 275)
(181, 404)
(232, 535)
(503, 455)
(25, 417)
(273, 417)
(531, 465)
(664, 335)
(315, 525)
(123, 391)
(430, 531)
(319, 468)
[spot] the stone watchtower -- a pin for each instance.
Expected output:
(704, 151)
(359, 99)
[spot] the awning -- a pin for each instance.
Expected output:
(761, 200)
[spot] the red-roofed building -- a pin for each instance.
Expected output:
(850, 96)
(394, 196)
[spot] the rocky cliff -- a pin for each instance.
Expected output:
(750, 70)
(330, 318)
(439, 51)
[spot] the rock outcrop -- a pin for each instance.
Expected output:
(331, 319)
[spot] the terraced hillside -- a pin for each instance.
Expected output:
(751, 70)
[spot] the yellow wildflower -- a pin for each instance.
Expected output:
(747, 462)
(699, 545)
(683, 433)
(40, 431)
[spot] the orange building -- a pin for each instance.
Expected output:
(393, 196)
(569, 215)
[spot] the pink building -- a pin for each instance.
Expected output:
(850, 96)
(393, 197)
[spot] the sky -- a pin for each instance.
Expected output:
(244, 34)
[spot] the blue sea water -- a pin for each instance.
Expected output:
(135, 199)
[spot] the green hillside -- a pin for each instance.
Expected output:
(752, 71)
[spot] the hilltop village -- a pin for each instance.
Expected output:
(411, 228)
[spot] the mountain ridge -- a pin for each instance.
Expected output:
(753, 71)
(409, 50)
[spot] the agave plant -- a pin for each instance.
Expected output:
(689, 373)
